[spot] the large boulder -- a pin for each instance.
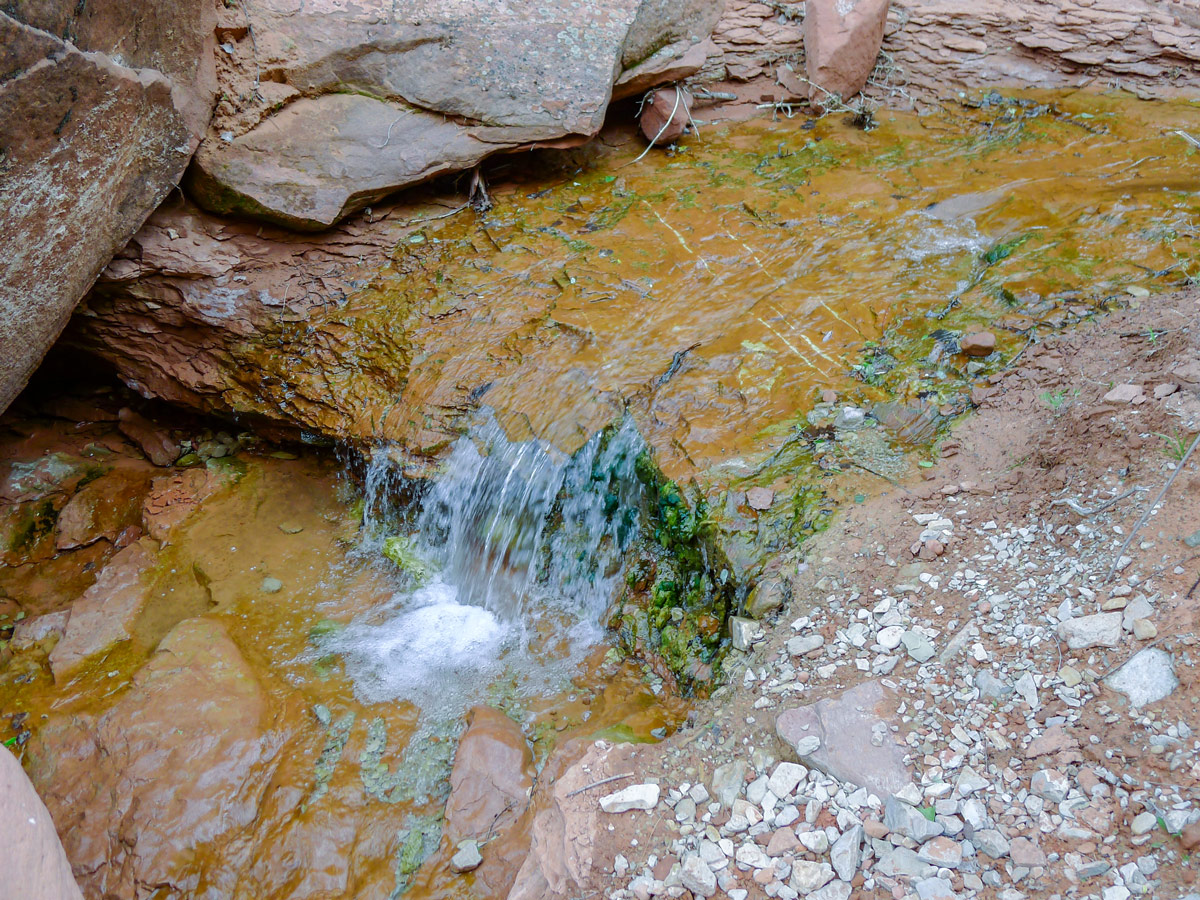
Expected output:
(33, 858)
(329, 107)
(101, 107)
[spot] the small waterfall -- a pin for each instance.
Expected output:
(525, 545)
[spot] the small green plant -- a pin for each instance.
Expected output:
(1002, 250)
(928, 812)
(1058, 399)
(1176, 445)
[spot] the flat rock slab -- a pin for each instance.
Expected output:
(848, 728)
(1147, 678)
(181, 757)
(105, 614)
(491, 778)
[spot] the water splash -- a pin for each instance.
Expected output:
(527, 544)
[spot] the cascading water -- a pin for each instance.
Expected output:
(524, 545)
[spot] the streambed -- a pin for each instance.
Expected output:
(740, 303)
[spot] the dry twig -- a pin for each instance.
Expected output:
(1149, 510)
(609, 780)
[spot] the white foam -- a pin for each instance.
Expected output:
(930, 237)
(425, 647)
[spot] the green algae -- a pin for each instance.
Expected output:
(400, 550)
(331, 753)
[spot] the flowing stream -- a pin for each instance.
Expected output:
(515, 553)
(697, 307)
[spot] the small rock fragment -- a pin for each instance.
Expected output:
(636, 796)
(467, 858)
(979, 343)
(1123, 393)
(1143, 823)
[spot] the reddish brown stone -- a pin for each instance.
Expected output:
(841, 43)
(155, 442)
(665, 115)
(491, 779)
(979, 343)
(1190, 836)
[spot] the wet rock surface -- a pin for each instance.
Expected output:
(491, 781)
(107, 611)
(137, 763)
(216, 315)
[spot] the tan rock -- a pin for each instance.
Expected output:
(33, 865)
(1124, 393)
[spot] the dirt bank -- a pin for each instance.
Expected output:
(1036, 776)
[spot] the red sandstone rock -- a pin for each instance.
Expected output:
(154, 441)
(979, 343)
(105, 614)
(181, 758)
(96, 130)
(491, 779)
(102, 509)
(665, 115)
(841, 44)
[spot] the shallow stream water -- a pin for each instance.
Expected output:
(696, 304)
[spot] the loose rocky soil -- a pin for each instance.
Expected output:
(976, 597)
